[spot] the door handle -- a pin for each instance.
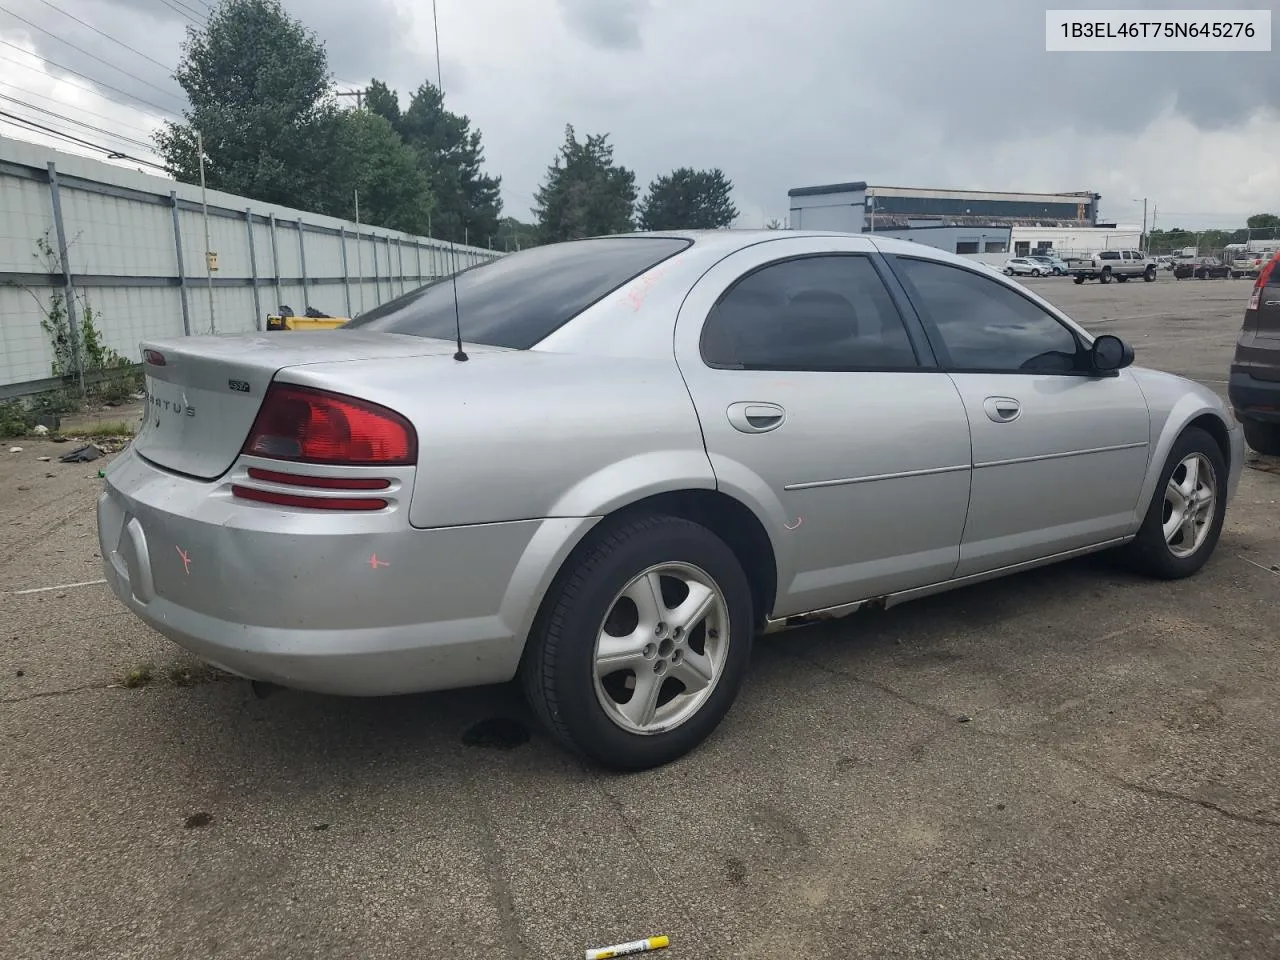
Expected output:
(755, 417)
(1002, 409)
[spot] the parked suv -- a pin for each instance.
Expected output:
(1247, 263)
(1254, 387)
(1108, 265)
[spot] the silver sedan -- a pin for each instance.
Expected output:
(640, 452)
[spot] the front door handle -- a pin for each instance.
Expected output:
(1002, 409)
(752, 416)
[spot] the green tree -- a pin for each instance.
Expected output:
(586, 193)
(515, 235)
(468, 203)
(688, 199)
(1263, 226)
(369, 156)
(260, 93)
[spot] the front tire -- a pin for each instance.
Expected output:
(643, 643)
(1079, 280)
(1149, 274)
(1008, 271)
(1262, 437)
(1184, 519)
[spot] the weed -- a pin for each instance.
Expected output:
(139, 676)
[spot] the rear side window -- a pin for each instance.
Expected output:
(1109, 255)
(810, 313)
(522, 298)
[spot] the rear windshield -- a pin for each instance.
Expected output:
(522, 298)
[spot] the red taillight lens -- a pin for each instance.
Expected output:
(315, 426)
(319, 483)
(1264, 277)
(154, 357)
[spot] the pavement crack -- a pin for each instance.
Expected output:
(40, 694)
(499, 879)
(1113, 779)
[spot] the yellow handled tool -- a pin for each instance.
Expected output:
(627, 949)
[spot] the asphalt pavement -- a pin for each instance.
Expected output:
(1070, 763)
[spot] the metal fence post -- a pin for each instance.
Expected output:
(64, 266)
(391, 283)
(417, 245)
(377, 287)
(275, 256)
(182, 271)
(302, 257)
(253, 267)
(400, 258)
(346, 276)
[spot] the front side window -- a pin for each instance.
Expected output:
(809, 313)
(985, 325)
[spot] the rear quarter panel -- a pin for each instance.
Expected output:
(531, 434)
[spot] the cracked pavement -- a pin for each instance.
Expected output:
(1074, 762)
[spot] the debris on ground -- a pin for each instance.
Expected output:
(44, 459)
(81, 454)
(15, 449)
(40, 430)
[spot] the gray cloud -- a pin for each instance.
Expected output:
(613, 25)
(925, 92)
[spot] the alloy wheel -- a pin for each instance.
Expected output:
(1189, 500)
(662, 648)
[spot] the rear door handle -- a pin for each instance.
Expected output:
(1002, 409)
(751, 416)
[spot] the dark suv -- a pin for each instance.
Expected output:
(1254, 388)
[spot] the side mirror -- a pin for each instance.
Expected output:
(1109, 354)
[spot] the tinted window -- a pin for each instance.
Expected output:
(812, 313)
(1109, 255)
(984, 325)
(521, 298)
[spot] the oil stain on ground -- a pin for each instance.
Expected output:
(496, 733)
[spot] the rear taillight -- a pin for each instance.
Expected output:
(154, 357)
(1264, 277)
(305, 425)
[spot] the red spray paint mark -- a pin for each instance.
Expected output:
(186, 559)
(375, 563)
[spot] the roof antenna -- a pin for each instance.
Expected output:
(453, 258)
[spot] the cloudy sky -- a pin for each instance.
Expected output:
(943, 93)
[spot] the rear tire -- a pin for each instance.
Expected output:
(1262, 437)
(1149, 275)
(1167, 548)
(587, 706)
(1008, 271)
(1105, 276)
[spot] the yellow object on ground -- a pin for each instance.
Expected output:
(627, 949)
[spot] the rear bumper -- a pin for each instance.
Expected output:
(354, 605)
(1253, 399)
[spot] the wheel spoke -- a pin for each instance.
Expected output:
(620, 653)
(1172, 525)
(695, 671)
(694, 608)
(646, 593)
(1177, 499)
(1191, 478)
(643, 705)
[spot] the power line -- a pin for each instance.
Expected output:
(94, 56)
(78, 123)
(107, 35)
(182, 10)
(14, 118)
(74, 106)
(106, 86)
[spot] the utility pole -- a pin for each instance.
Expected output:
(1144, 224)
(358, 94)
(210, 258)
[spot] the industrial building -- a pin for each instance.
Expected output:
(982, 224)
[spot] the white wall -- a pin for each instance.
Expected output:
(1077, 240)
(122, 254)
(828, 211)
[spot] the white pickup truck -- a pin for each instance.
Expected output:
(1108, 265)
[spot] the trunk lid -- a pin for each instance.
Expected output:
(202, 400)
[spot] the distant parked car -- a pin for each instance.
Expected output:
(1247, 263)
(1057, 266)
(1202, 268)
(1119, 265)
(1254, 387)
(1023, 266)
